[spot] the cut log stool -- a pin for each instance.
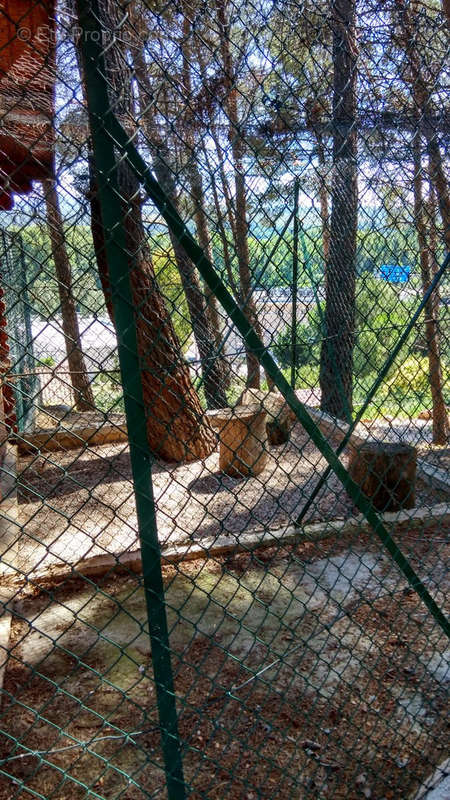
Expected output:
(386, 473)
(280, 418)
(242, 435)
(278, 431)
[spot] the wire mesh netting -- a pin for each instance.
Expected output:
(19, 342)
(225, 360)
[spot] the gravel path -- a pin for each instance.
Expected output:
(87, 504)
(413, 431)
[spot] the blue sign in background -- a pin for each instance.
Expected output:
(397, 273)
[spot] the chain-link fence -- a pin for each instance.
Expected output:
(18, 352)
(225, 360)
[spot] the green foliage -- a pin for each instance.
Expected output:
(278, 272)
(307, 377)
(381, 316)
(43, 287)
(42, 284)
(375, 247)
(169, 282)
(308, 343)
(234, 391)
(412, 378)
(108, 394)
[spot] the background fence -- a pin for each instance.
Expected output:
(18, 318)
(224, 497)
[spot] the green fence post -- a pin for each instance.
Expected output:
(294, 286)
(141, 457)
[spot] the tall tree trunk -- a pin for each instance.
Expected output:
(440, 420)
(241, 244)
(437, 176)
(223, 178)
(205, 326)
(176, 426)
(224, 240)
(336, 358)
(241, 223)
(197, 191)
(421, 94)
(84, 398)
(433, 235)
(204, 334)
(323, 197)
(201, 224)
(208, 107)
(313, 122)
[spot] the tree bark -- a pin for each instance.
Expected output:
(223, 238)
(323, 197)
(204, 333)
(241, 223)
(437, 176)
(84, 398)
(201, 223)
(204, 325)
(176, 426)
(313, 122)
(421, 95)
(440, 420)
(223, 178)
(336, 359)
(386, 473)
(198, 195)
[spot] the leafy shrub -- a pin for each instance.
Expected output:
(412, 378)
(169, 282)
(49, 361)
(381, 316)
(308, 343)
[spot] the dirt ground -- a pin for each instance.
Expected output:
(79, 503)
(311, 671)
(440, 456)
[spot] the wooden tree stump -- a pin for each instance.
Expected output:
(279, 416)
(243, 440)
(278, 431)
(386, 473)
